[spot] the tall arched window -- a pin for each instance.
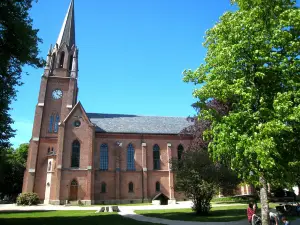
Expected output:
(104, 157)
(75, 158)
(61, 59)
(130, 187)
(130, 157)
(70, 62)
(51, 121)
(56, 123)
(157, 186)
(156, 157)
(49, 166)
(179, 151)
(103, 187)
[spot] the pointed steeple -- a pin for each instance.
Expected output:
(67, 32)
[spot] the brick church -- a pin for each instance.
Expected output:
(95, 157)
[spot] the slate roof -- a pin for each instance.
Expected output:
(134, 124)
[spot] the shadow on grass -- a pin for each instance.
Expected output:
(65, 218)
(223, 215)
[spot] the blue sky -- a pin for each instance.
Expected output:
(131, 55)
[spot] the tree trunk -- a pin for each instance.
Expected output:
(264, 202)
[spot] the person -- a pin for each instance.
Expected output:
(285, 221)
(251, 211)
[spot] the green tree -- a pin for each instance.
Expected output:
(13, 163)
(196, 175)
(18, 47)
(252, 65)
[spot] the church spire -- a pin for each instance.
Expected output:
(67, 32)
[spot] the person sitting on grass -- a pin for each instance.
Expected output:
(250, 211)
(285, 221)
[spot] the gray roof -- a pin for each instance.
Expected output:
(134, 124)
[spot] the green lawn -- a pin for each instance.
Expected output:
(217, 214)
(65, 218)
(129, 204)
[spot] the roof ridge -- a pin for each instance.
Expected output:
(137, 115)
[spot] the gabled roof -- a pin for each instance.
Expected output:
(67, 32)
(78, 105)
(159, 195)
(134, 124)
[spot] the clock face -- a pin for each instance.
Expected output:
(57, 94)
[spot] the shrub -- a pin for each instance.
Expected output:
(29, 198)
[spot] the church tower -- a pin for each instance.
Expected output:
(57, 96)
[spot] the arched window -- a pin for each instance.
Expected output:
(157, 186)
(130, 157)
(179, 151)
(70, 62)
(104, 157)
(56, 123)
(103, 187)
(51, 121)
(156, 157)
(61, 59)
(48, 150)
(49, 166)
(75, 154)
(53, 61)
(130, 187)
(74, 183)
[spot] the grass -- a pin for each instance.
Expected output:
(217, 214)
(65, 217)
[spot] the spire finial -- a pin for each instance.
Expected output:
(67, 32)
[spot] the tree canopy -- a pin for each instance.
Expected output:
(252, 65)
(18, 47)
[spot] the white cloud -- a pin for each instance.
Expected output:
(23, 129)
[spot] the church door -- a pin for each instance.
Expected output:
(73, 190)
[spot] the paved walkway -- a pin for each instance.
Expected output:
(132, 215)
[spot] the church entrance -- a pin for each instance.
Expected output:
(73, 190)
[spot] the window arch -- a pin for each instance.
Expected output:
(103, 187)
(130, 157)
(157, 186)
(75, 158)
(179, 151)
(56, 123)
(156, 157)
(104, 157)
(61, 59)
(130, 187)
(51, 121)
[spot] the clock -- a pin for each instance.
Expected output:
(57, 94)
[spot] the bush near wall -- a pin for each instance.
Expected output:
(29, 198)
(236, 199)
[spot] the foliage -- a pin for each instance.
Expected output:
(195, 173)
(28, 198)
(252, 65)
(18, 47)
(13, 164)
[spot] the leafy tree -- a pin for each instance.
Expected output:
(13, 165)
(18, 46)
(195, 173)
(252, 65)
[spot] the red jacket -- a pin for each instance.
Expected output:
(250, 213)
